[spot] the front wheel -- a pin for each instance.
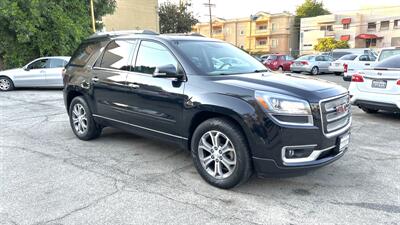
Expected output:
(81, 120)
(6, 84)
(220, 153)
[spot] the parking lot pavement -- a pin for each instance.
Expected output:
(50, 177)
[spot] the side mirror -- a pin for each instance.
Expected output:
(25, 68)
(166, 71)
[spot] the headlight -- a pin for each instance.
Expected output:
(284, 109)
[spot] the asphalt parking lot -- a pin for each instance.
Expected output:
(50, 177)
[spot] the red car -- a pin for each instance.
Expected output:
(279, 62)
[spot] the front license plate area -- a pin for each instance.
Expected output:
(379, 84)
(343, 142)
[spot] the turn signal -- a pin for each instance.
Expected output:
(345, 67)
(357, 78)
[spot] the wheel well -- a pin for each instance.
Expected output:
(71, 95)
(203, 116)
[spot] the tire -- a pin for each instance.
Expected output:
(315, 70)
(280, 69)
(338, 73)
(81, 120)
(235, 165)
(368, 110)
(6, 84)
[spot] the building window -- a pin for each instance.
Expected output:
(307, 45)
(262, 42)
(217, 31)
(274, 43)
(370, 43)
(242, 32)
(372, 26)
(326, 27)
(274, 27)
(385, 25)
(396, 24)
(346, 26)
(262, 27)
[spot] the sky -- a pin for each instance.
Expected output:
(229, 9)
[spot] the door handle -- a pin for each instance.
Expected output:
(95, 79)
(134, 85)
(367, 64)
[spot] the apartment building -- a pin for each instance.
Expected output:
(133, 15)
(365, 28)
(258, 34)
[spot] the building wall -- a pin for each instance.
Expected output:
(277, 37)
(133, 15)
(310, 30)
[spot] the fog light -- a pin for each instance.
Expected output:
(297, 153)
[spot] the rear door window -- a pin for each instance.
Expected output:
(39, 64)
(57, 63)
(117, 55)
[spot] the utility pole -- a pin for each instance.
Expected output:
(92, 15)
(209, 5)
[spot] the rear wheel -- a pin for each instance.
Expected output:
(338, 73)
(280, 69)
(6, 84)
(368, 110)
(315, 71)
(81, 120)
(220, 153)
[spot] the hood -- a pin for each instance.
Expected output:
(304, 87)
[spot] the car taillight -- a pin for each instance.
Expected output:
(304, 62)
(345, 67)
(398, 82)
(357, 78)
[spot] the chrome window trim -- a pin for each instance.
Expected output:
(141, 127)
(312, 157)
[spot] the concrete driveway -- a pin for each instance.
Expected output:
(48, 176)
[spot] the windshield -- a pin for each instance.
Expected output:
(388, 52)
(219, 58)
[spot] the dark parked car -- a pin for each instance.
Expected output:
(279, 62)
(235, 119)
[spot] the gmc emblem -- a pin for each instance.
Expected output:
(341, 108)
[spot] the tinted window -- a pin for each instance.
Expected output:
(348, 57)
(390, 62)
(307, 57)
(319, 58)
(57, 63)
(206, 57)
(83, 54)
(337, 55)
(39, 64)
(152, 55)
(117, 53)
(364, 58)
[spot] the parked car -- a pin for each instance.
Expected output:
(314, 64)
(41, 72)
(279, 62)
(383, 54)
(265, 57)
(377, 88)
(351, 62)
(236, 120)
(337, 53)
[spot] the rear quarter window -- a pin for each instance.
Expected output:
(86, 53)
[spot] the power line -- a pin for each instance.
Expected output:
(209, 5)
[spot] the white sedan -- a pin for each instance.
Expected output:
(377, 88)
(41, 72)
(351, 62)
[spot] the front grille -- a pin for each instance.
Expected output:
(335, 114)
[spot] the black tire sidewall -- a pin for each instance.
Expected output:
(93, 129)
(312, 71)
(243, 167)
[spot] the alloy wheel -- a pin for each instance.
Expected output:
(79, 119)
(217, 154)
(4, 84)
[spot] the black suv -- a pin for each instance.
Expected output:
(208, 96)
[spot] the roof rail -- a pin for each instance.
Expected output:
(185, 34)
(121, 32)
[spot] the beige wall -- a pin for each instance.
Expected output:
(310, 28)
(133, 14)
(238, 32)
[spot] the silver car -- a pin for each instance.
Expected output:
(314, 64)
(41, 72)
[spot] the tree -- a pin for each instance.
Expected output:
(311, 8)
(176, 18)
(327, 44)
(35, 28)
